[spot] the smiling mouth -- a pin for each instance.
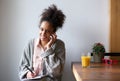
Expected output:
(43, 37)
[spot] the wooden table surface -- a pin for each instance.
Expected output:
(96, 72)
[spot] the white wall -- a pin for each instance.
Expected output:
(87, 22)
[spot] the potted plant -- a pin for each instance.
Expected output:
(98, 52)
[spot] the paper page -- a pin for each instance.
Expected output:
(35, 78)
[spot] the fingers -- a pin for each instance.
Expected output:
(54, 36)
(30, 75)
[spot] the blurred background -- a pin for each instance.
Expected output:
(87, 22)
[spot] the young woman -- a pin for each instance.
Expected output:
(44, 57)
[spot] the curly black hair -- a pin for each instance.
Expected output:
(53, 16)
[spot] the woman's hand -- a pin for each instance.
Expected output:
(53, 38)
(30, 75)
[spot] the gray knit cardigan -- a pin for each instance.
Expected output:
(53, 61)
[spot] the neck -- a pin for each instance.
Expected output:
(43, 43)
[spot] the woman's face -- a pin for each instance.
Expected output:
(46, 30)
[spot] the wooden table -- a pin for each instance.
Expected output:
(97, 72)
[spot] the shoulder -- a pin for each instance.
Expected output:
(60, 42)
(59, 47)
(31, 41)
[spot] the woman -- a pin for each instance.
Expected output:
(44, 57)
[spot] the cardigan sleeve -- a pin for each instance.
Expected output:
(54, 59)
(26, 59)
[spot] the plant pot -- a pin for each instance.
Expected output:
(97, 58)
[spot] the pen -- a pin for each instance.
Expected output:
(29, 69)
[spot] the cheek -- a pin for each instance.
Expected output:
(48, 35)
(40, 32)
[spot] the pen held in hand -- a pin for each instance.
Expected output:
(29, 69)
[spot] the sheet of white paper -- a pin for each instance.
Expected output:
(35, 78)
